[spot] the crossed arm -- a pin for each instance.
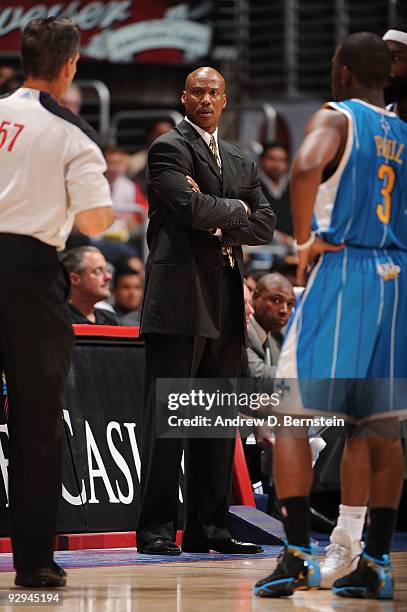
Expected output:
(168, 168)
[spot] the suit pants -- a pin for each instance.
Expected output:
(208, 462)
(36, 342)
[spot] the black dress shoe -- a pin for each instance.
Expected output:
(229, 547)
(159, 546)
(50, 576)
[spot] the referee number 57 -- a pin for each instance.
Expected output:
(9, 132)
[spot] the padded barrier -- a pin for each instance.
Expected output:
(103, 419)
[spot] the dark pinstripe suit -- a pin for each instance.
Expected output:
(193, 302)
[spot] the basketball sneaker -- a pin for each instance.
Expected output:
(342, 556)
(297, 570)
(372, 579)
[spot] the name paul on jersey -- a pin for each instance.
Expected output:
(391, 150)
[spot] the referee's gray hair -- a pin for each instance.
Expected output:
(73, 259)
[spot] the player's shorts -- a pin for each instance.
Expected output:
(346, 349)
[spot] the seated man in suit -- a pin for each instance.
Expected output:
(205, 201)
(273, 302)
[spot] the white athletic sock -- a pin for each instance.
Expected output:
(352, 518)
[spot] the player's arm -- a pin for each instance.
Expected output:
(323, 145)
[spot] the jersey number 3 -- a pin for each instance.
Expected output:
(10, 132)
(386, 174)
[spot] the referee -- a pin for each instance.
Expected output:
(51, 176)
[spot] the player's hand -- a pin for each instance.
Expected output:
(307, 257)
(194, 186)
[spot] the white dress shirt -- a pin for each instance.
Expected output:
(205, 135)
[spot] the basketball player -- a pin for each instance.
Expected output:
(345, 542)
(349, 172)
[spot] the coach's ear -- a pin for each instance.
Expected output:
(225, 101)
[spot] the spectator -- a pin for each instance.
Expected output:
(6, 73)
(273, 302)
(250, 282)
(248, 308)
(274, 166)
(72, 99)
(136, 264)
(10, 79)
(124, 191)
(115, 243)
(89, 276)
(138, 161)
(128, 289)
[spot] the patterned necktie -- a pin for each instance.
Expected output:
(226, 250)
(214, 150)
(267, 352)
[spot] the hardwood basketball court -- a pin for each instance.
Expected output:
(194, 586)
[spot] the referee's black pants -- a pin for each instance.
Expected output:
(208, 461)
(36, 342)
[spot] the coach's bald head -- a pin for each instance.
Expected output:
(204, 98)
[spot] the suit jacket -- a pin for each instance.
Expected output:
(184, 272)
(256, 356)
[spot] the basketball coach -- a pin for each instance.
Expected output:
(205, 201)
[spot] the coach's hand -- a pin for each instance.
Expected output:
(194, 186)
(309, 256)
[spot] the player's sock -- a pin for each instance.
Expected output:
(296, 520)
(382, 525)
(352, 518)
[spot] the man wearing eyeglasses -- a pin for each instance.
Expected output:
(90, 283)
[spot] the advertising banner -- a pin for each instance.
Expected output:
(101, 472)
(120, 31)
